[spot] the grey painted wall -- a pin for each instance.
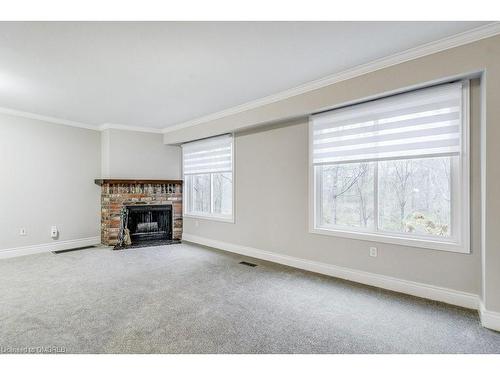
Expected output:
(479, 57)
(47, 176)
(48, 170)
(131, 154)
(271, 193)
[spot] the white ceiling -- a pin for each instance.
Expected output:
(158, 74)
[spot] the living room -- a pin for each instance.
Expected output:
(249, 187)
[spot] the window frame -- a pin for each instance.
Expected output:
(460, 200)
(188, 196)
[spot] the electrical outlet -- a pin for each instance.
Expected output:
(373, 251)
(22, 232)
(54, 231)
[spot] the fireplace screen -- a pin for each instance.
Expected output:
(146, 223)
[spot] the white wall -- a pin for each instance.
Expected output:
(47, 174)
(131, 154)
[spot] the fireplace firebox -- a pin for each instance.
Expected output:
(146, 224)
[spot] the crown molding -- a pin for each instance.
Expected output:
(130, 128)
(76, 124)
(453, 41)
(53, 120)
(466, 37)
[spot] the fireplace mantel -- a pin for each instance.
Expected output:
(112, 181)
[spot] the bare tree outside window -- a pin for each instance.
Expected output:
(200, 192)
(210, 193)
(222, 193)
(414, 195)
(347, 192)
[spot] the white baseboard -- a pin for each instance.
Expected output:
(489, 319)
(54, 246)
(453, 297)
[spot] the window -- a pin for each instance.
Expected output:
(394, 170)
(208, 178)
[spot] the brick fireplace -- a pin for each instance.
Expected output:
(135, 197)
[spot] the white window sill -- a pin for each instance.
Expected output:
(224, 219)
(404, 241)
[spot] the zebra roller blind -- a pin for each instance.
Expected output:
(208, 155)
(421, 123)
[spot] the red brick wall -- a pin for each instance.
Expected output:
(115, 196)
